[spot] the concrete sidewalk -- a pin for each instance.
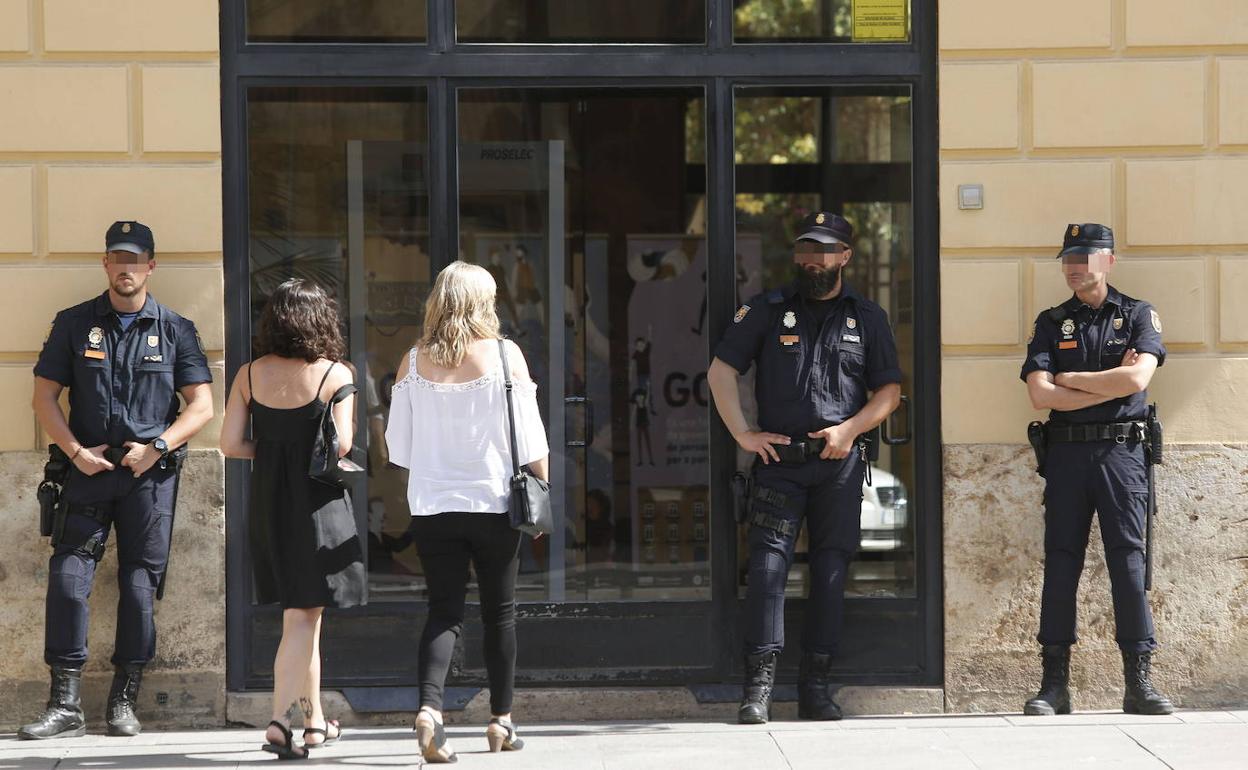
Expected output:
(1194, 739)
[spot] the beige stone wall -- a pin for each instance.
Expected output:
(111, 111)
(1133, 113)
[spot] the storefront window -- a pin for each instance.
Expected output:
(581, 204)
(578, 21)
(845, 150)
(821, 21)
(338, 195)
(336, 21)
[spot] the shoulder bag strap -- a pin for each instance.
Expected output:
(511, 414)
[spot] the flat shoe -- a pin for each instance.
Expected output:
(326, 738)
(288, 750)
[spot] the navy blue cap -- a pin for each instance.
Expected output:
(1086, 238)
(825, 227)
(134, 237)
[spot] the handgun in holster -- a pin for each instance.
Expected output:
(51, 489)
(1039, 444)
(741, 483)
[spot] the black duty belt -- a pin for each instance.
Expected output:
(800, 450)
(1120, 432)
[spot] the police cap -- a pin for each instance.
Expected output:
(131, 236)
(1086, 238)
(825, 227)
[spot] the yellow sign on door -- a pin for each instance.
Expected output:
(881, 20)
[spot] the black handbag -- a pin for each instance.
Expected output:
(326, 466)
(530, 496)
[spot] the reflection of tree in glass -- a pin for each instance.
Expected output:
(793, 19)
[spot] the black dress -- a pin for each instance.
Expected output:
(305, 549)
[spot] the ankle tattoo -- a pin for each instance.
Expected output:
(306, 706)
(292, 711)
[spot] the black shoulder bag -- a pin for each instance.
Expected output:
(326, 466)
(530, 496)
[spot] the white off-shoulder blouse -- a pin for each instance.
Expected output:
(453, 439)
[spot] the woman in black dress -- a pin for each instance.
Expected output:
(305, 551)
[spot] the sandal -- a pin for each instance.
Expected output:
(432, 739)
(287, 750)
(326, 738)
(501, 735)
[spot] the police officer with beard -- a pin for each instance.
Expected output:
(827, 374)
(125, 359)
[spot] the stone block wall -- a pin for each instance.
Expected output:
(1133, 113)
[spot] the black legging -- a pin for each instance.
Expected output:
(446, 542)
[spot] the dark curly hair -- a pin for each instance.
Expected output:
(300, 320)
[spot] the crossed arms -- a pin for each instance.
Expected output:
(1068, 391)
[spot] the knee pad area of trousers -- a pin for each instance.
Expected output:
(769, 571)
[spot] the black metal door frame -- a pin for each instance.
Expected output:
(441, 66)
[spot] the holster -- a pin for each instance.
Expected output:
(1039, 444)
(55, 474)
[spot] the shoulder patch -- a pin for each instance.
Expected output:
(199, 342)
(1156, 321)
(741, 313)
(1032, 336)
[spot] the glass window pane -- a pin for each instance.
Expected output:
(336, 21)
(578, 21)
(845, 150)
(338, 194)
(588, 211)
(824, 21)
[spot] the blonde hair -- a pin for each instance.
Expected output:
(460, 310)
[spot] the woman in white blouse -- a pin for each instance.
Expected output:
(448, 426)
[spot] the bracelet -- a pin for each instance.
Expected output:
(75, 454)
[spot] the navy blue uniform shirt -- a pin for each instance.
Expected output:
(809, 378)
(1087, 340)
(123, 385)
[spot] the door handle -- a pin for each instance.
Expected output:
(904, 439)
(589, 419)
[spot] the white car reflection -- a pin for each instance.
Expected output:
(885, 513)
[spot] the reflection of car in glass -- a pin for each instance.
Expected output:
(885, 513)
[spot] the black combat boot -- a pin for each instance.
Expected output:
(814, 701)
(760, 675)
(1054, 695)
(63, 717)
(1140, 697)
(123, 701)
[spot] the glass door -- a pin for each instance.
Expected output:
(588, 209)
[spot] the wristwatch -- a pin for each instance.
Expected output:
(160, 446)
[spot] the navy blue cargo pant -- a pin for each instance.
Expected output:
(141, 512)
(1112, 480)
(828, 495)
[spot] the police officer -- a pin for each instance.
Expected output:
(827, 373)
(1089, 361)
(125, 358)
